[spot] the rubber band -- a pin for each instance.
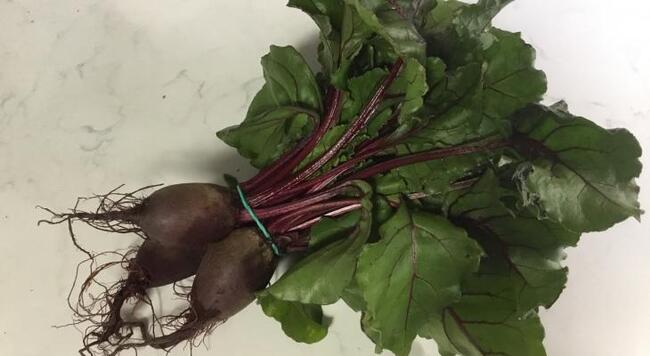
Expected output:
(258, 222)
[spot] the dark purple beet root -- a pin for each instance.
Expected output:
(186, 215)
(188, 230)
(154, 265)
(191, 213)
(159, 265)
(230, 273)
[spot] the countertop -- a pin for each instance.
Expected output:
(94, 94)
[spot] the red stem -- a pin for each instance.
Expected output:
(362, 120)
(426, 156)
(384, 135)
(323, 181)
(306, 215)
(282, 168)
(283, 209)
(295, 201)
(287, 222)
(338, 212)
(270, 171)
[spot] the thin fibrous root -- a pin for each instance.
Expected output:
(99, 306)
(182, 290)
(115, 212)
(184, 329)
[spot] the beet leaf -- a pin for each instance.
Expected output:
(472, 189)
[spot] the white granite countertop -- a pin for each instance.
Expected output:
(94, 94)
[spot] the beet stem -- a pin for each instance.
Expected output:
(362, 120)
(282, 168)
(427, 156)
(287, 222)
(321, 182)
(260, 180)
(276, 203)
(303, 214)
(334, 213)
(282, 209)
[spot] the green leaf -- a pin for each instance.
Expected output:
(411, 274)
(409, 88)
(511, 81)
(301, 322)
(332, 229)
(412, 85)
(449, 126)
(491, 72)
(431, 177)
(477, 18)
(343, 34)
(495, 205)
(353, 296)
(435, 68)
(281, 128)
(361, 89)
(290, 80)
(466, 19)
(282, 112)
(447, 37)
(308, 281)
(580, 174)
(442, 15)
(487, 320)
(458, 126)
(502, 82)
(395, 27)
(483, 323)
(329, 139)
(458, 88)
(474, 101)
(522, 247)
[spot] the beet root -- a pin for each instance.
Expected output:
(186, 215)
(227, 277)
(154, 265)
(159, 265)
(178, 222)
(230, 274)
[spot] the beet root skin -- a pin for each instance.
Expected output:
(153, 265)
(187, 229)
(159, 265)
(230, 273)
(188, 215)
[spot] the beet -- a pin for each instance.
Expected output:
(191, 213)
(178, 222)
(160, 265)
(187, 215)
(154, 265)
(230, 273)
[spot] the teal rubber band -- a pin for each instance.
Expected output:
(258, 222)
